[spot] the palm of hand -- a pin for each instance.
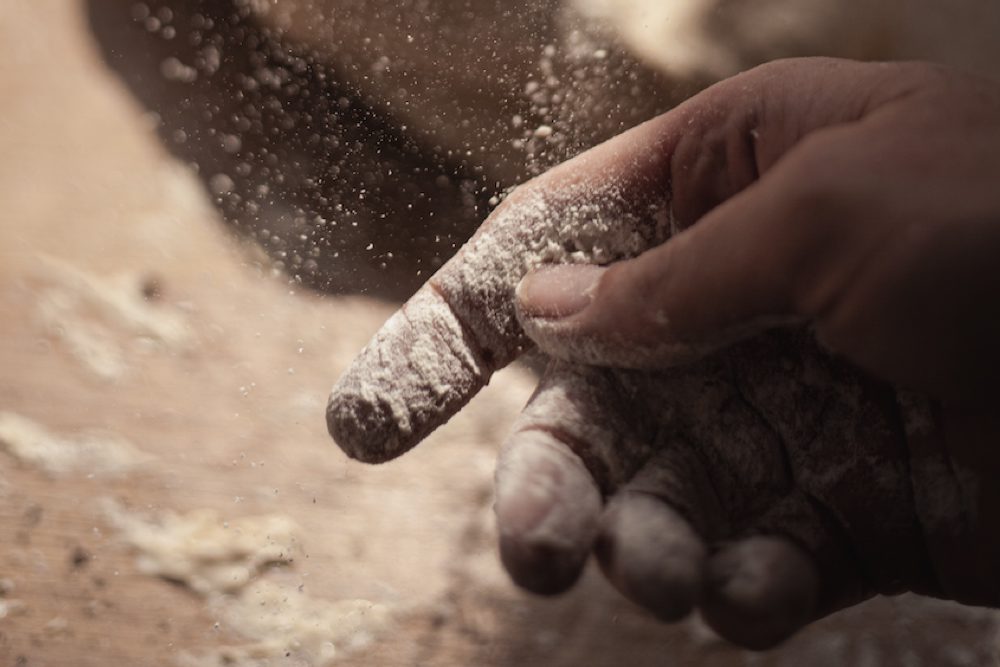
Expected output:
(744, 484)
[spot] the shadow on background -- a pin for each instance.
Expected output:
(334, 192)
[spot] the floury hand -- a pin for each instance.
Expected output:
(858, 200)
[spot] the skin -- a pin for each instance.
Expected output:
(783, 409)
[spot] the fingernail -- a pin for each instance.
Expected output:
(558, 291)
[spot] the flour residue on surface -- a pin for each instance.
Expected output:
(202, 550)
(284, 622)
(223, 560)
(10, 606)
(94, 316)
(94, 453)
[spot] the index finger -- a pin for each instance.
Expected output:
(610, 203)
(434, 354)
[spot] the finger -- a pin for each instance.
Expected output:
(759, 260)
(609, 203)
(798, 566)
(391, 396)
(547, 506)
(422, 366)
(759, 591)
(647, 547)
(569, 444)
(773, 253)
(652, 555)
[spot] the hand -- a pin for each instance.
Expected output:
(819, 188)
(743, 483)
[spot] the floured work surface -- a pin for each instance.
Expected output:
(168, 494)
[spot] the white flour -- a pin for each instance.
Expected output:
(97, 454)
(442, 347)
(95, 317)
(286, 623)
(223, 560)
(203, 551)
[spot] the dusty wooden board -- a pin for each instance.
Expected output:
(233, 419)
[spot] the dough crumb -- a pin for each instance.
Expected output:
(221, 560)
(204, 552)
(12, 607)
(286, 622)
(96, 454)
(95, 316)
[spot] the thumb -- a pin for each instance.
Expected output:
(776, 253)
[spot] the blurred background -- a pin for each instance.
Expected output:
(208, 207)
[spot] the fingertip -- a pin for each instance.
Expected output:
(760, 591)
(547, 506)
(652, 555)
(362, 428)
(539, 567)
(420, 368)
